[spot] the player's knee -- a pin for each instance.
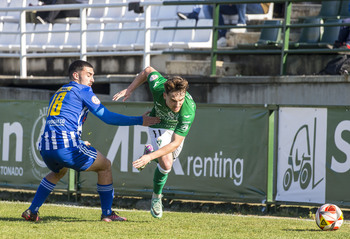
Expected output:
(166, 162)
(107, 165)
(163, 170)
(103, 163)
(60, 174)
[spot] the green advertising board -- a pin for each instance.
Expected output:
(338, 156)
(21, 165)
(224, 156)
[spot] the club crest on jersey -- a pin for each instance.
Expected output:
(153, 77)
(95, 100)
(184, 127)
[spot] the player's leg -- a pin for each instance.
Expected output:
(161, 174)
(163, 137)
(160, 138)
(159, 179)
(105, 189)
(45, 188)
(102, 166)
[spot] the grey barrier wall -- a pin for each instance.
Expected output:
(241, 90)
(244, 90)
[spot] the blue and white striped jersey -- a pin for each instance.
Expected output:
(67, 112)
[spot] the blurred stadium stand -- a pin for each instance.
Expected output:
(117, 32)
(129, 19)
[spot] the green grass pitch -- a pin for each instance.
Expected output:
(59, 221)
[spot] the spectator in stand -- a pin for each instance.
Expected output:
(231, 9)
(343, 36)
(195, 13)
(44, 17)
(241, 10)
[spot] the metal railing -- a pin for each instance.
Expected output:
(284, 50)
(23, 55)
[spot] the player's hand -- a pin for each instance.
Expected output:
(145, 159)
(87, 143)
(149, 120)
(124, 93)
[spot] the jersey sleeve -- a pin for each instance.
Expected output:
(89, 99)
(184, 125)
(156, 82)
(116, 119)
(94, 105)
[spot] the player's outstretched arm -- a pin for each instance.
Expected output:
(123, 120)
(139, 80)
(169, 148)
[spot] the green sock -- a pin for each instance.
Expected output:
(159, 181)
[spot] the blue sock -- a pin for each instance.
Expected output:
(44, 190)
(106, 193)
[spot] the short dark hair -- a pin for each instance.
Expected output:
(175, 83)
(76, 66)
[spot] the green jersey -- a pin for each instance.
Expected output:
(179, 122)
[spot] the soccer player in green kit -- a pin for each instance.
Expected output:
(176, 109)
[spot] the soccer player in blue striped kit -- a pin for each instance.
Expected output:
(61, 147)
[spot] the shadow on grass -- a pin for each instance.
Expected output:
(301, 230)
(47, 219)
(136, 221)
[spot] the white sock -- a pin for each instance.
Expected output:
(163, 171)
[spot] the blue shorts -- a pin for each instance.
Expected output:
(78, 158)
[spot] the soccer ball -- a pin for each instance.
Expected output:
(329, 217)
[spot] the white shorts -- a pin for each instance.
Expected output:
(162, 137)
